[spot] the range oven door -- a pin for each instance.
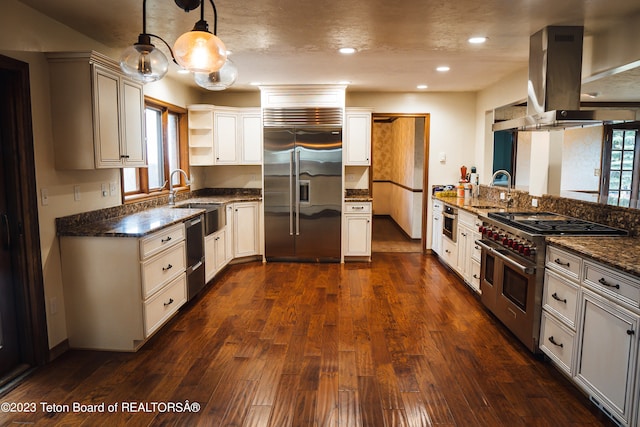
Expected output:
(509, 288)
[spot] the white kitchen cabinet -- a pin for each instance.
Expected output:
(200, 119)
(357, 230)
(357, 137)
(607, 354)
(467, 251)
(97, 113)
(230, 239)
(246, 226)
(215, 253)
(436, 227)
(224, 135)
(250, 136)
(120, 290)
(450, 252)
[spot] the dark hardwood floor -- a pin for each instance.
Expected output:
(398, 342)
(387, 236)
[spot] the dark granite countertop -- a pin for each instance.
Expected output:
(479, 207)
(358, 199)
(622, 253)
(143, 222)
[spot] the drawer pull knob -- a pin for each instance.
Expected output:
(553, 341)
(165, 240)
(557, 298)
(559, 262)
(631, 332)
(168, 267)
(604, 282)
(477, 247)
(169, 303)
(475, 276)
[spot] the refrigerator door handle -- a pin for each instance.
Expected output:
(297, 192)
(291, 202)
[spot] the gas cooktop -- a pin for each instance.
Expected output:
(549, 223)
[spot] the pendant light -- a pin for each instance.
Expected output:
(199, 50)
(218, 80)
(143, 61)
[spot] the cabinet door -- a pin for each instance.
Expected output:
(357, 139)
(201, 151)
(221, 249)
(107, 118)
(607, 356)
(436, 233)
(245, 224)
(251, 137)
(209, 257)
(230, 231)
(225, 137)
(133, 142)
(464, 252)
(358, 235)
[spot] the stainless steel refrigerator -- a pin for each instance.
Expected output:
(303, 193)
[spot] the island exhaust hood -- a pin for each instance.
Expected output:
(553, 93)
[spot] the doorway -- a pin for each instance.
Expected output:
(399, 171)
(23, 332)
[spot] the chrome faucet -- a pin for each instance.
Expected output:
(493, 180)
(172, 192)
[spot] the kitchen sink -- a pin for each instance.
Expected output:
(214, 215)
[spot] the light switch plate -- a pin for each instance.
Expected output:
(76, 193)
(44, 196)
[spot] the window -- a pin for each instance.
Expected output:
(166, 140)
(621, 165)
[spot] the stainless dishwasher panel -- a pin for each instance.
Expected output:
(195, 255)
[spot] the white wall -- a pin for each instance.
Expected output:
(24, 34)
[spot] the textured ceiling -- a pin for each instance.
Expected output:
(399, 44)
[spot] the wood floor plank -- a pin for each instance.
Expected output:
(398, 341)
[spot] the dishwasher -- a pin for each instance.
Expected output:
(195, 255)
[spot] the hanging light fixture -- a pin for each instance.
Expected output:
(199, 50)
(218, 80)
(143, 61)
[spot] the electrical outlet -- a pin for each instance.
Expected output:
(503, 195)
(596, 172)
(104, 190)
(534, 203)
(76, 193)
(112, 189)
(44, 196)
(53, 305)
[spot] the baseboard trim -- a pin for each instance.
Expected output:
(58, 350)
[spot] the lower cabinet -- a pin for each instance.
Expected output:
(356, 241)
(215, 253)
(589, 330)
(607, 354)
(246, 229)
(120, 290)
(436, 227)
(450, 252)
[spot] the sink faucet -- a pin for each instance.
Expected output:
(493, 180)
(172, 192)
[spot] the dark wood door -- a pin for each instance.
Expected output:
(10, 355)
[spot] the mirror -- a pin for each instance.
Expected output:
(574, 157)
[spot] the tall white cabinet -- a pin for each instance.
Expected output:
(357, 137)
(97, 112)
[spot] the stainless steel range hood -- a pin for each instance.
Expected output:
(553, 92)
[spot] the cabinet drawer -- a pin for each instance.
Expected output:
(161, 269)
(558, 342)
(564, 262)
(449, 252)
(357, 207)
(560, 297)
(612, 283)
(161, 240)
(164, 304)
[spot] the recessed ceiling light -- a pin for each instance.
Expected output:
(443, 68)
(347, 50)
(422, 86)
(477, 40)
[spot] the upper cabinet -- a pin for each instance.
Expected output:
(224, 136)
(98, 113)
(357, 137)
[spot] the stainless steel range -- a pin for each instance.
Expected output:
(513, 258)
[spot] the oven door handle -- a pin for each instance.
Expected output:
(450, 216)
(523, 268)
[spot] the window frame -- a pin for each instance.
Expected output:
(607, 148)
(144, 193)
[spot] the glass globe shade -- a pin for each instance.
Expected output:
(200, 52)
(144, 63)
(218, 80)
